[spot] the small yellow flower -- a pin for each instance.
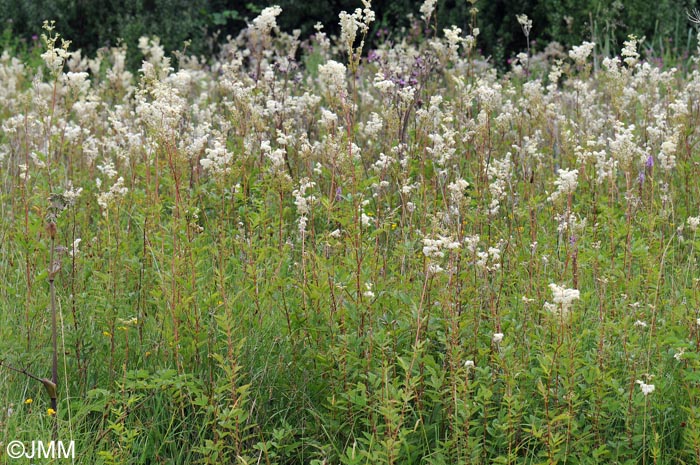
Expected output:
(51, 412)
(106, 333)
(29, 401)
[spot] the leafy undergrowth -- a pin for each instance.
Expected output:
(400, 258)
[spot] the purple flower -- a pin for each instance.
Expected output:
(338, 194)
(650, 162)
(641, 177)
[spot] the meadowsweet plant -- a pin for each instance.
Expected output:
(304, 251)
(427, 9)
(350, 25)
(260, 32)
(562, 298)
(526, 26)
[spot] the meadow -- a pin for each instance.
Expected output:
(314, 253)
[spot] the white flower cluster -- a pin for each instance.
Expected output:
(570, 223)
(693, 222)
(71, 194)
(566, 184)
(629, 51)
(458, 187)
(107, 168)
(74, 251)
(490, 260)
(115, 192)
(426, 9)
(328, 119)
(563, 299)
(529, 148)
(152, 49)
(433, 248)
(488, 95)
(500, 172)
(454, 39)
(267, 19)
(24, 172)
(374, 125)
(520, 64)
(470, 39)
(351, 23)
(303, 202)
(163, 109)
(332, 77)
(443, 148)
(525, 24)
(383, 84)
(646, 388)
(368, 291)
(667, 157)
(77, 83)
(457, 190)
(679, 355)
(217, 159)
(472, 243)
(276, 157)
(580, 53)
(384, 162)
(54, 57)
(156, 66)
(623, 147)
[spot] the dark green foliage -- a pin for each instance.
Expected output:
(570, 22)
(95, 24)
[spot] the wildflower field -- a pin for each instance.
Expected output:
(314, 253)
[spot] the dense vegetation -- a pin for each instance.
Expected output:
(204, 24)
(334, 255)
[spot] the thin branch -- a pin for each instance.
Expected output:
(49, 385)
(23, 371)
